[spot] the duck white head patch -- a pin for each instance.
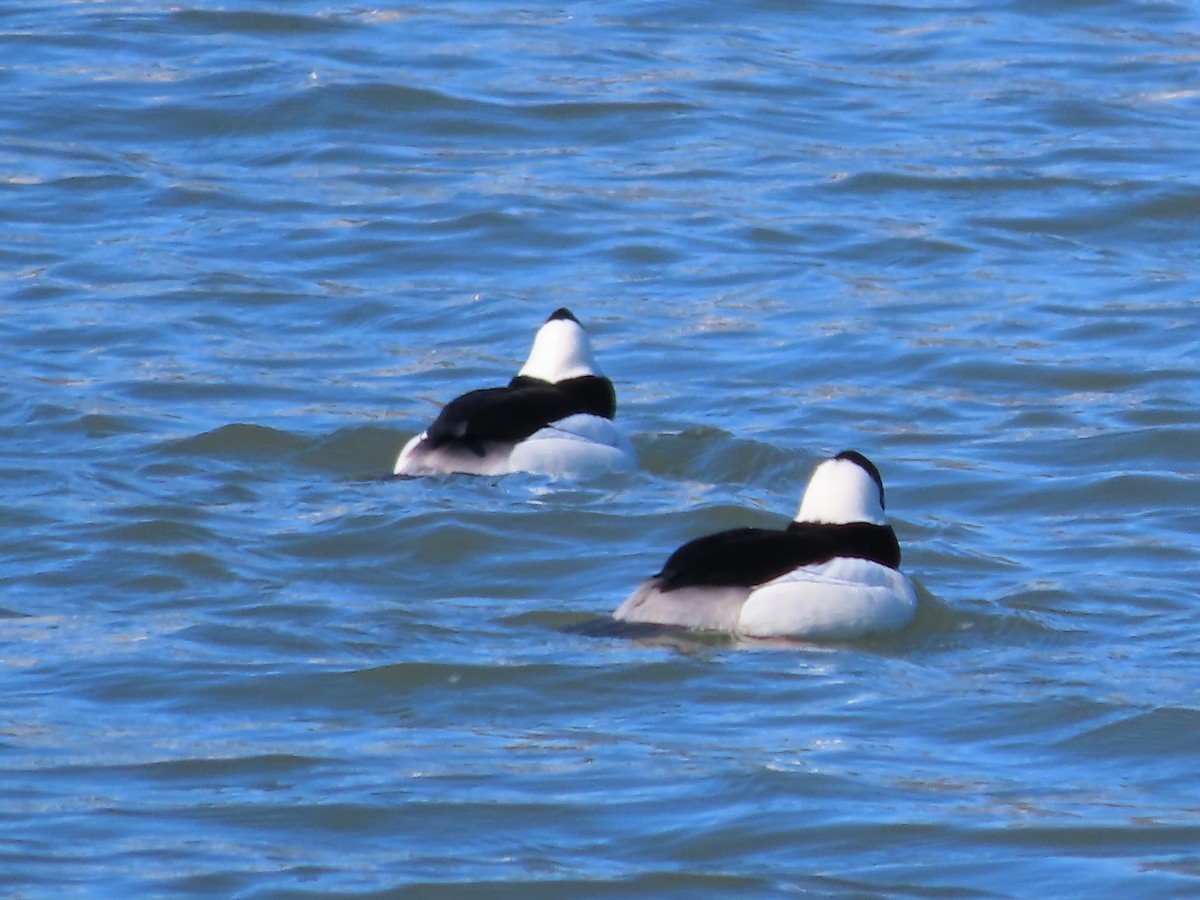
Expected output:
(844, 489)
(561, 350)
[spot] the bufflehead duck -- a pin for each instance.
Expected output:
(832, 573)
(555, 417)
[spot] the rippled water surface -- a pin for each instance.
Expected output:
(248, 249)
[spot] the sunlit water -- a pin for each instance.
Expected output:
(249, 249)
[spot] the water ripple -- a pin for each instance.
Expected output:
(248, 252)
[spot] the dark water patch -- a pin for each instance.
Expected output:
(714, 456)
(245, 442)
(434, 538)
(260, 23)
(449, 114)
(204, 389)
(1126, 219)
(156, 532)
(872, 184)
(506, 678)
(1039, 616)
(270, 771)
(915, 251)
(182, 198)
(259, 647)
(107, 425)
(1114, 840)
(774, 237)
(357, 452)
(1147, 739)
(262, 105)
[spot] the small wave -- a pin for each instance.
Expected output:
(1167, 731)
(237, 441)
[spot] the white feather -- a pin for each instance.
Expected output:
(578, 445)
(703, 608)
(839, 599)
(839, 492)
(418, 459)
(560, 350)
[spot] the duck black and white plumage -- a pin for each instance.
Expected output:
(833, 573)
(555, 417)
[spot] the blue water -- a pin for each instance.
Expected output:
(247, 250)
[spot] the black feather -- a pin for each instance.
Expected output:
(514, 412)
(746, 557)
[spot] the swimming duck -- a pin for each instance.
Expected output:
(555, 417)
(832, 573)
